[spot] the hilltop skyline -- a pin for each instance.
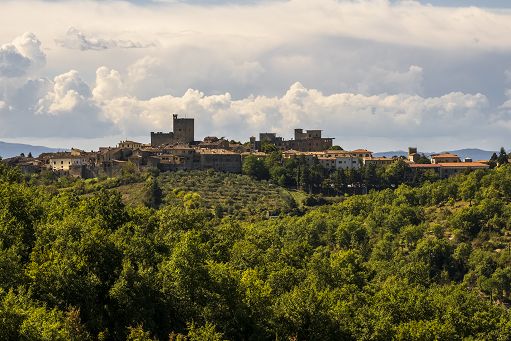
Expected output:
(375, 74)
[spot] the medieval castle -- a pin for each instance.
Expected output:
(178, 150)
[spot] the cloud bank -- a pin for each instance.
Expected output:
(75, 39)
(375, 74)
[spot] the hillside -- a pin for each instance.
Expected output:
(231, 194)
(430, 262)
(8, 150)
(225, 194)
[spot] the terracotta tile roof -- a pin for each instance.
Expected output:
(424, 165)
(379, 159)
(450, 165)
(361, 151)
(463, 165)
(445, 155)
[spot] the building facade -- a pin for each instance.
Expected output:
(183, 132)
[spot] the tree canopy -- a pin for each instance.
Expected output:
(407, 262)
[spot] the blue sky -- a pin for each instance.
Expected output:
(375, 74)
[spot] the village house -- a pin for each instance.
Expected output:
(65, 162)
(129, 145)
(445, 170)
(27, 165)
(445, 165)
(220, 160)
(445, 158)
(378, 161)
(212, 142)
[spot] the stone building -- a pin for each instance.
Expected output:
(64, 161)
(308, 141)
(445, 158)
(130, 144)
(213, 142)
(378, 161)
(413, 155)
(27, 165)
(445, 170)
(220, 160)
(183, 132)
(186, 158)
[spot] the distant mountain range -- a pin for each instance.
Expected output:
(8, 150)
(473, 153)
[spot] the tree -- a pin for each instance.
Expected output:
(269, 148)
(369, 176)
(153, 193)
(206, 333)
(423, 159)
(335, 148)
(493, 160)
(255, 167)
(395, 172)
(502, 158)
(337, 181)
(138, 334)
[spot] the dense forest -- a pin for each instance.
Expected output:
(155, 256)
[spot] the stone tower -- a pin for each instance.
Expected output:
(183, 133)
(183, 129)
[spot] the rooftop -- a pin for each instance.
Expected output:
(445, 155)
(463, 164)
(450, 165)
(360, 151)
(217, 151)
(382, 158)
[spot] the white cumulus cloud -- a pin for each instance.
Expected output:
(69, 92)
(21, 55)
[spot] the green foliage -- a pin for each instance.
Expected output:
(254, 167)
(502, 159)
(225, 194)
(153, 197)
(205, 333)
(411, 263)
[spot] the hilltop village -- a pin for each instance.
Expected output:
(178, 150)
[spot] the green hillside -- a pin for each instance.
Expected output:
(85, 260)
(232, 194)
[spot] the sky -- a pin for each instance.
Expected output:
(376, 74)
